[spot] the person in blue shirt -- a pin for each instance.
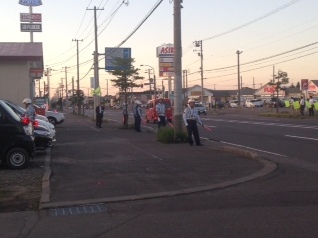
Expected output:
(161, 111)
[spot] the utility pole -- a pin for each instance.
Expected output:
(66, 89)
(78, 85)
(48, 72)
(199, 44)
(96, 67)
(177, 69)
(238, 52)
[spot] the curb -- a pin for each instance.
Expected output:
(267, 169)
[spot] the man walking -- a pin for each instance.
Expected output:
(99, 114)
(161, 111)
(311, 106)
(191, 118)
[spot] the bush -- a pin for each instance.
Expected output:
(166, 135)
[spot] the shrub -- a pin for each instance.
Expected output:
(166, 135)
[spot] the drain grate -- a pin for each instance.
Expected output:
(85, 209)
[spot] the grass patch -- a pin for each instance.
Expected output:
(166, 135)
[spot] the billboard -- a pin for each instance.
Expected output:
(165, 53)
(111, 53)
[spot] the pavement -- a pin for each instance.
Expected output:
(89, 168)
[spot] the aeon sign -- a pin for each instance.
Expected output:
(30, 3)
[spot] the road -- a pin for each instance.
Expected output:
(282, 204)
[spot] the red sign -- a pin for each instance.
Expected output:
(304, 84)
(30, 17)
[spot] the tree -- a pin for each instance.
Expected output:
(280, 79)
(298, 85)
(126, 75)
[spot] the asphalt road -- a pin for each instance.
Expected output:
(282, 204)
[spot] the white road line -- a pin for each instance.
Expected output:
(251, 148)
(300, 137)
(264, 123)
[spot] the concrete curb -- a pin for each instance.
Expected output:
(267, 169)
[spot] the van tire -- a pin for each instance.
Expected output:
(17, 158)
(52, 120)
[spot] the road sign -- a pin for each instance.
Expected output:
(30, 27)
(111, 53)
(30, 17)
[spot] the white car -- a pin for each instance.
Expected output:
(233, 103)
(53, 116)
(254, 103)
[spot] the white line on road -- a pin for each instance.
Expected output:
(251, 148)
(301, 137)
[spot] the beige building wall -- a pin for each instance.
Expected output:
(14, 81)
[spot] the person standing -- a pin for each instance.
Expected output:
(99, 114)
(29, 109)
(311, 106)
(137, 115)
(291, 101)
(191, 118)
(302, 105)
(161, 111)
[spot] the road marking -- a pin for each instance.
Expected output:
(264, 123)
(300, 137)
(251, 148)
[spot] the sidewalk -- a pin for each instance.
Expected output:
(97, 166)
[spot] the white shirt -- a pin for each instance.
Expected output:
(161, 109)
(191, 114)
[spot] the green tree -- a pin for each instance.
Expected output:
(280, 79)
(126, 76)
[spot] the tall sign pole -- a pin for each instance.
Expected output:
(177, 69)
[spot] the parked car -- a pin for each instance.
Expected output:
(53, 116)
(16, 138)
(200, 108)
(42, 137)
(220, 105)
(233, 103)
(41, 120)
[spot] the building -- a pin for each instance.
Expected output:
(20, 65)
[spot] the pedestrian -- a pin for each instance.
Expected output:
(99, 114)
(291, 101)
(29, 109)
(311, 106)
(137, 115)
(161, 111)
(302, 105)
(125, 114)
(191, 118)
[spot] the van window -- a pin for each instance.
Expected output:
(167, 104)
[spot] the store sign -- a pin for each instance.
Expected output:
(304, 84)
(30, 3)
(30, 17)
(165, 53)
(112, 53)
(29, 27)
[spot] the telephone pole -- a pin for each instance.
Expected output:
(177, 68)
(199, 44)
(96, 67)
(78, 86)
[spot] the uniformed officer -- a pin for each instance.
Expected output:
(191, 118)
(161, 111)
(29, 109)
(137, 115)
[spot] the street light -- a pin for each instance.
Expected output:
(238, 52)
(154, 78)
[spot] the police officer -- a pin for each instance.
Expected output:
(191, 118)
(29, 109)
(99, 114)
(137, 115)
(161, 111)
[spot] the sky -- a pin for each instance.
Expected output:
(272, 35)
